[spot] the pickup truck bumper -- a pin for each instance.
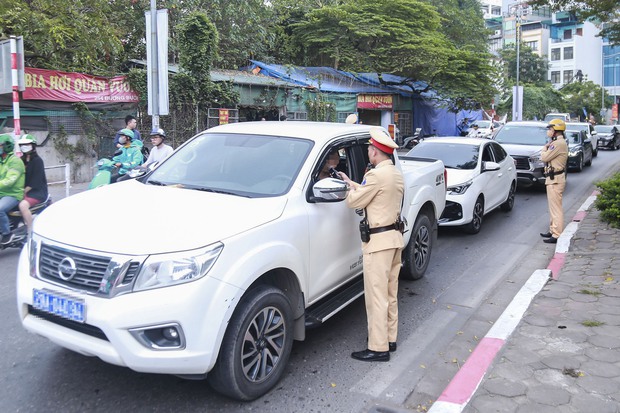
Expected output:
(112, 327)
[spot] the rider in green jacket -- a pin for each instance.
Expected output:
(130, 156)
(12, 178)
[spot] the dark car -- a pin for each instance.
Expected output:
(608, 136)
(524, 142)
(579, 149)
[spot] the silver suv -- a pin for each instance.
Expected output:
(524, 141)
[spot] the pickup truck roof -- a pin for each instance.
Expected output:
(319, 132)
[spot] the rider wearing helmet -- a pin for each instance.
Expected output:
(160, 150)
(130, 154)
(12, 176)
(130, 123)
(555, 156)
(474, 132)
(35, 189)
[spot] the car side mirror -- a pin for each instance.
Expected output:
(594, 132)
(490, 166)
(329, 190)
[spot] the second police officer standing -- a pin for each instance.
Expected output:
(555, 156)
(381, 195)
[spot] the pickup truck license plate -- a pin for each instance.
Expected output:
(64, 307)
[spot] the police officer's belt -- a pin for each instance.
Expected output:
(561, 171)
(392, 227)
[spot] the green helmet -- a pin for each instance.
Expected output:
(126, 132)
(7, 143)
(27, 140)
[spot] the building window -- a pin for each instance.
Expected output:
(555, 54)
(568, 53)
(296, 116)
(579, 32)
(532, 45)
(568, 34)
(568, 75)
(555, 77)
(341, 117)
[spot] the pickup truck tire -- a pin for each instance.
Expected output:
(478, 214)
(256, 346)
(417, 253)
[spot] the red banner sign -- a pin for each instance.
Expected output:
(614, 111)
(53, 85)
(374, 101)
(223, 116)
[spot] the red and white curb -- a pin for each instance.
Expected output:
(466, 381)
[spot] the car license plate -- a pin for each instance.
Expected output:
(69, 308)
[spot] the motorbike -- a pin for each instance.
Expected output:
(107, 167)
(17, 226)
(411, 141)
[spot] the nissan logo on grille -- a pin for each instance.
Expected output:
(67, 268)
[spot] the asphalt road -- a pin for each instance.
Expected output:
(465, 271)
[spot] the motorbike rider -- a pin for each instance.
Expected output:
(130, 154)
(12, 178)
(474, 132)
(160, 150)
(35, 189)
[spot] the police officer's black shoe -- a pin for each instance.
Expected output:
(551, 240)
(546, 234)
(392, 345)
(369, 355)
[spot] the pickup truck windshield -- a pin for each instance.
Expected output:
(522, 135)
(246, 165)
(454, 156)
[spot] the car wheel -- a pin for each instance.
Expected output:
(256, 346)
(476, 222)
(595, 151)
(510, 201)
(417, 253)
(579, 167)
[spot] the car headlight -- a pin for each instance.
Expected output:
(459, 189)
(536, 162)
(169, 269)
(574, 152)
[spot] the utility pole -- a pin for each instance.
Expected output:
(154, 70)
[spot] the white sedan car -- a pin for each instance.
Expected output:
(481, 177)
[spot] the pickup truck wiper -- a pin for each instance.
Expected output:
(158, 183)
(218, 191)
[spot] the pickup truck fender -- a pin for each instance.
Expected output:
(423, 199)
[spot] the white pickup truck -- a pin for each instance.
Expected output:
(213, 263)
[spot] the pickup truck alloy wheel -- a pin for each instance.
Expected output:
(417, 252)
(476, 222)
(256, 346)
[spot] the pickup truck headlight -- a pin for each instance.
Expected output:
(459, 189)
(169, 269)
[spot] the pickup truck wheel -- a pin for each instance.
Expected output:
(417, 253)
(256, 346)
(509, 203)
(476, 222)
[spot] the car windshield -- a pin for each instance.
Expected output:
(573, 137)
(579, 126)
(522, 135)
(556, 116)
(604, 128)
(245, 165)
(483, 124)
(453, 155)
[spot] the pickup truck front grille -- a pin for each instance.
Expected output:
(91, 269)
(522, 162)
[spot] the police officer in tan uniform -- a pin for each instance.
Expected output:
(381, 195)
(555, 155)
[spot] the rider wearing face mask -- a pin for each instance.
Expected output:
(130, 154)
(12, 173)
(35, 189)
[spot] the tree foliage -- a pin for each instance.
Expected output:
(368, 36)
(606, 11)
(70, 35)
(532, 68)
(538, 100)
(586, 95)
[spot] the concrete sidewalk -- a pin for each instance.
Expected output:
(565, 354)
(556, 346)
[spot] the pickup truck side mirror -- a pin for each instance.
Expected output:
(329, 190)
(490, 166)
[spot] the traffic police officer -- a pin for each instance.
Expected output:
(555, 156)
(381, 195)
